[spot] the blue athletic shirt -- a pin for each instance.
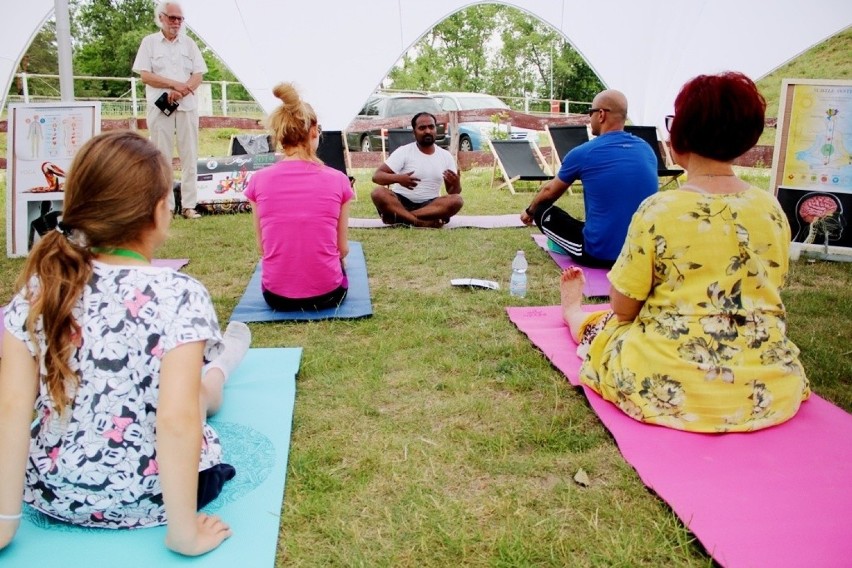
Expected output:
(618, 171)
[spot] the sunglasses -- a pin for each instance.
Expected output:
(669, 121)
(592, 111)
(174, 19)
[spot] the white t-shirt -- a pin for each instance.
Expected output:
(429, 168)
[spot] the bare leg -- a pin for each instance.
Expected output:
(441, 208)
(391, 210)
(212, 384)
(237, 340)
(571, 292)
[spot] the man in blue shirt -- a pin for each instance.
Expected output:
(618, 171)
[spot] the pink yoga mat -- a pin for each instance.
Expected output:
(173, 263)
(545, 328)
(597, 283)
(778, 497)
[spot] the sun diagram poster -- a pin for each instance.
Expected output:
(812, 173)
(42, 139)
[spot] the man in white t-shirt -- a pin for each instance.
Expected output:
(170, 63)
(415, 173)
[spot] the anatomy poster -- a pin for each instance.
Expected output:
(812, 163)
(42, 140)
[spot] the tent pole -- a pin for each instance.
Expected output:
(63, 41)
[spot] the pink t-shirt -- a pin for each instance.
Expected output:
(298, 204)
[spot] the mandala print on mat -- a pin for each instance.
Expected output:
(249, 451)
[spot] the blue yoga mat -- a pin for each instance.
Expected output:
(357, 304)
(254, 426)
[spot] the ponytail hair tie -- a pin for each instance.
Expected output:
(63, 229)
(74, 236)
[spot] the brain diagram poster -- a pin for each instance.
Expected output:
(812, 173)
(42, 140)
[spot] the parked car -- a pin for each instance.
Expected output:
(471, 134)
(389, 105)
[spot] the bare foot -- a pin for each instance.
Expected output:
(571, 293)
(430, 224)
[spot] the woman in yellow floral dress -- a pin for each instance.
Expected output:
(696, 339)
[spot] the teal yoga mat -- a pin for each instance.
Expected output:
(254, 425)
(357, 304)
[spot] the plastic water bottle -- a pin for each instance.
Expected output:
(518, 282)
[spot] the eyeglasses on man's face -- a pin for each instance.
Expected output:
(174, 19)
(669, 121)
(592, 111)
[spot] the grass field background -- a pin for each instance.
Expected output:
(433, 433)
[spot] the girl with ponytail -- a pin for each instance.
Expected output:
(110, 352)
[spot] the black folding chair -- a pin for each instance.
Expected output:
(649, 135)
(396, 137)
(518, 160)
(333, 152)
(563, 139)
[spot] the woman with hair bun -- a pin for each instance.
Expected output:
(696, 338)
(110, 353)
(301, 214)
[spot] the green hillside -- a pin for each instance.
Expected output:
(830, 59)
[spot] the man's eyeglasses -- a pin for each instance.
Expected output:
(669, 121)
(592, 111)
(174, 19)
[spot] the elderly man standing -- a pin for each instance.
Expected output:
(170, 63)
(618, 171)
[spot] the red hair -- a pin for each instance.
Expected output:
(718, 116)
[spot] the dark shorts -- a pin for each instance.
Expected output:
(211, 481)
(330, 300)
(412, 205)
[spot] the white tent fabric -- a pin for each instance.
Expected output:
(338, 51)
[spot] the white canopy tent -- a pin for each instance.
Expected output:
(338, 51)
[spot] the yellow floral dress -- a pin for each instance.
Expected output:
(708, 351)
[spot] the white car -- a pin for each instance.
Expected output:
(471, 134)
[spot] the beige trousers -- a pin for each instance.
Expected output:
(183, 126)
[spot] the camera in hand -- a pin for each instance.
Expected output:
(164, 105)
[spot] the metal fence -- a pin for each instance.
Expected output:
(33, 87)
(45, 88)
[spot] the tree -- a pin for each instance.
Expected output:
(106, 35)
(40, 58)
(452, 56)
(465, 52)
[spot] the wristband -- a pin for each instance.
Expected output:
(10, 517)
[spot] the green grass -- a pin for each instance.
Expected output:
(435, 434)
(827, 60)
